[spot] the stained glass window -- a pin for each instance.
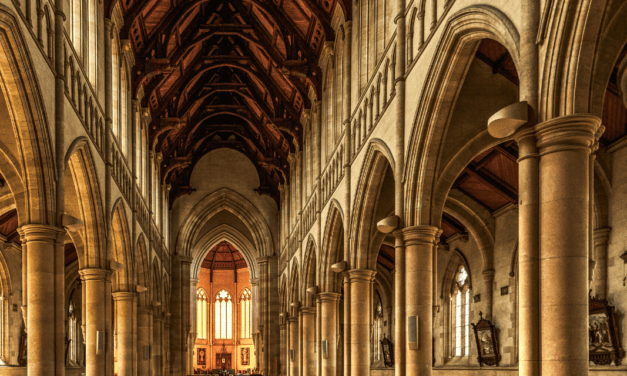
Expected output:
(224, 315)
(245, 313)
(460, 304)
(201, 313)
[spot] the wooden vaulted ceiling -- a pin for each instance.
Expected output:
(224, 256)
(226, 73)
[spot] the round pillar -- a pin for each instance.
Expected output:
(329, 305)
(361, 282)
(293, 346)
(308, 317)
(419, 244)
(564, 145)
(46, 297)
(143, 340)
(124, 330)
(95, 285)
(157, 360)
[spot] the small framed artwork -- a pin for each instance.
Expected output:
(245, 356)
(487, 344)
(604, 340)
(387, 349)
(201, 357)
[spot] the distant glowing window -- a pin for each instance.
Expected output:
(201, 313)
(378, 330)
(72, 333)
(245, 313)
(460, 304)
(77, 22)
(224, 315)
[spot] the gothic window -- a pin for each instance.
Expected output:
(245, 315)
(76, 22)
(72, 334)
(378, 329)
(224, 315)
(460, 309)
(201, 313)
(115, 86)
(123, 136)
(92, 40)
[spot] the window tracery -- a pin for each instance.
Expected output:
(460, 302)
(223, 322)
(201, 313)
(245, 314)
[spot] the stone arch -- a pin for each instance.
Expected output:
(142, 268)
(21, 94)
(221, 233)
(123, 279)
(602, 195)
(456, 260)
(477, 221)
(456, 48)
(309, 272)
(331, 249)
(225, 199)
(367, 198)
(294, 290)
(83, 201)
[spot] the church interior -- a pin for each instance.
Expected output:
(313, 187)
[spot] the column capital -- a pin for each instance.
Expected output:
(123, 296)
(419, 235)
(263, 259)
(282, 326)
(568, 132)
(40, 233)
(329, 296)
(95, 274)
(366, 275)
(292, 319)
(488, 275)
(193, 281)
(185, 259)
(144, 310)
(307, 310)
(254, 281)
(602, 235)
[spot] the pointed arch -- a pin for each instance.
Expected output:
(142, 268)
(455, 51)
(123, 280)
(294, 291)
(309, 272)
(332, 249)
(367, 199)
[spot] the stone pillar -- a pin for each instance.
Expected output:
(419, 247)
(194, 321)
(143, 340)
(564, 144)
(400, 331)
(361, 282)
(293, 346)
(179, 321)
(157, 346)
(328, 331)
(308, 316)
(96, 296)
(347, 324)
(488, 278)
(124, 331)
(46, 298)
(528, 254)
(283, 369)
(601, 236)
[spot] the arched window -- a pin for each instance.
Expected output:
(224, 315)
(115, 86)
(201, 313)
(123, 136)
(378, 328)
(93, 32)
(72, 334)
(244, 305)
(460, 309)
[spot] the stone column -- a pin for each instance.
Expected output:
(329, 317)
(347, 324)
(157, 347)
(293, 346)
(528, 254)
(400, 330)
(124, 331)
(419, 246)
(488, 278)
(283, 369)
(96, 296)
(143, 340)
(601, 236)
(194, 322)
(46, 298)
(179, 321)
(308, 317)
(360, 281)
(564, 144)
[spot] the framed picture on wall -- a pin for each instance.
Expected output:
(487, 344)
(245, 354)
(388, 352)
(604, 341)
(201, 356)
